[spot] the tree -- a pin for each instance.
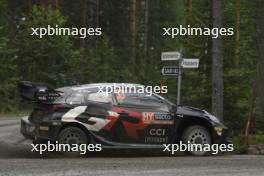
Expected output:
(146, 16)
(8, 75)
(29, 5)
(84, 24)
(217, 62)
(133, 33)
(55, 3)
(261, 59)
(50, 59)
(237, 32)
(97, 5)
(189, 5)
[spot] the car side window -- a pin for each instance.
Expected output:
(155, 102)
(128, 98)
(99, 97)
(141, 99)
(81, 97)
(76, 98)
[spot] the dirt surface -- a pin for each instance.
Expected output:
(16, 158)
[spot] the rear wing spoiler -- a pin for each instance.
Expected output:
(37, 92)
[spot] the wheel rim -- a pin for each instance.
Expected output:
(72, 138)
(198, 136)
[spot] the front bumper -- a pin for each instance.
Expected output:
(219, 135)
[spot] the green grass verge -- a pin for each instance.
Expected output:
(238, 141)
(15, 113)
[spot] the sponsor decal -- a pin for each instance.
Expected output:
(47, 96)
(152, 139)
(157, 132)
(131, 128)
(75, 112)
(157, 118)
(98, 123)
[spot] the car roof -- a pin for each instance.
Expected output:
(96, 85)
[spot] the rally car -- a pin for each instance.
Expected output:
(83, 114)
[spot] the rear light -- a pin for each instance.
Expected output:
(56, 107)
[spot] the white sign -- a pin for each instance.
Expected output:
(170, 70)
(167, 56)
(190, 63)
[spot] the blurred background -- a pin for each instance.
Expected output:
(129, 50)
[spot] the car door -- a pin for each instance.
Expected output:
(143, 119)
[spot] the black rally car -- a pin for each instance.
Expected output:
(83, 114)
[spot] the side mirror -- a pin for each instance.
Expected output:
(174, 108)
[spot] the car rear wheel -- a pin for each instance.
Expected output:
(72, 136)
(197, 135)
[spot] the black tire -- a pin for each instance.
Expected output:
(72, 135)
(197, 135)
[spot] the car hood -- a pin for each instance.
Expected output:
(190, 111)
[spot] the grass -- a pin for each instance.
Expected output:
(15, 113)
(257, 138)
(238, 141)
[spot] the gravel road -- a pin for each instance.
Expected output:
(17, 159)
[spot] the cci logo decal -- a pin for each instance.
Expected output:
(157, 132)
(156, 139)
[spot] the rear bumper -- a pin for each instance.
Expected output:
(27, 128)
(36, 132)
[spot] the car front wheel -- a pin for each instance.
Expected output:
(197, 135)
